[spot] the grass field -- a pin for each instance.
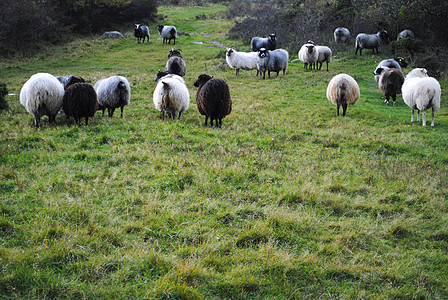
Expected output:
(285, 201)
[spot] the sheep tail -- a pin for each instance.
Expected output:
(166, 101)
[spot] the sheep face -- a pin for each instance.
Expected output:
(273, 37)
(72, 80)
(160, 27)
(175, 52)
(202, 79)
(262, 53)
(401, 62)
(229, 51)
(310, 48)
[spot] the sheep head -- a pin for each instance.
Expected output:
(202, 79)
(72, 80)
(262, 53)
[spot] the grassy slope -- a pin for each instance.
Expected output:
(285, 200)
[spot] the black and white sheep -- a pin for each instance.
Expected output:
(241, 60)
(171, 95)
(371, 41)
(390, 83)
(396, 62)
(176, 63)
(341, 35)
(421, 92)
(80, 99)
(168, 33)
(141, 32)
(323, 55)
(308, 55)
(269, 42)
(343, 90)
(405, 34)
(113, 92)
(213, 98)
(272, 61)
(42, 95)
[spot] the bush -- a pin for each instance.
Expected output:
(3, 93)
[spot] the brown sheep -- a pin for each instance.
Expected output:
(80, 99)
(390, 83)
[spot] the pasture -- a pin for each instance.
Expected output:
(285, 201)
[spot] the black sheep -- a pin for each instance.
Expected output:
(141, 32)
(80, 99)
(213, 98)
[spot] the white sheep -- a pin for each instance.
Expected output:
(42, 95)
(113, 92)
(371, 41)
(421, 92)
(341, 35)
(343, 90)
(308, 55)
(405, 34)
(241, 60)
(323, 55)
(167, 33)
(171, 95)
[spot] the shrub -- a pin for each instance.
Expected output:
(3, 93)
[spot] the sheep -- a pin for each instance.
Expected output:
(405, 34)
(308, 55)
(241, 60)
(396, 62)
(371, 41)
(176, 63)
(171, 95)
(213, 99)
(275, 61)
(342, 91)
(421, 92)
(323, 55)
(269, 42)
(42, 95)
(141, 32)
(390, 83)
(113, 92)
(167, 33)
(80, 99)
(341, 35)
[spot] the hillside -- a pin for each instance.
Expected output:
(286, 200)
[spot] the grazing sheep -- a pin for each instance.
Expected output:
(113, 92)
(397, 63)
(371, 41)
(421, 92)
(80, 99)
(241, 60)
(308, 55)
(405, 34)
(167, 33)
(171, 96)
(323, 55)
(341, 35)
(141, 32)
(42, 95)
(176, 64)
(390, 83)
(275, 61)
(213, 98)
(269, 42)
(342, 91)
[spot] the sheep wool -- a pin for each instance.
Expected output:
(343, 90)
(171, 95)
(308, 55)
(269, 42)
(371, 41)
(323, 55)
(80, 99)
(396, 62)
(167, 33)
(141, 32)
(241, 60)
(113, 92)
(341, 35)
(390, 83)
(272, 61)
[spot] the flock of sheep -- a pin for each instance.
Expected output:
(45, 94)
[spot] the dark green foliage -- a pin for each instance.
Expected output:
(3, 93)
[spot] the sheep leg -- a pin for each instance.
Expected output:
(174, 41)
(180, 113)
(344, 109)
(418, 115)
(220, 122)
(412, 116)
(111, 112)
(338, 109)
(36, 121)
(424, 117)
(87, 121)
(432, 123)
(103, 111)
(238, 72)
(162, 115)
(327, 66)
(121, 115)
(387, 99)
(269, 74)
(206, 119)
(394, 99)
(284, 71)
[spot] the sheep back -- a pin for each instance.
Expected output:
(422, 93)
(371, 41)
(269, 42)
(113, 92)
(390, 83)
(343, 90)
(171, 95)
(324, 54)
(272, 61)
(176, 65)
(341, 35)
(80, 99)
(405, 34)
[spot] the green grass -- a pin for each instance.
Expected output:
(287, 200)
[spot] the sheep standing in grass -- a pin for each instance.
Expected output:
(213, 98)
(269, 43)
(341, 35)
(275, 61)
(371, 41)
(141, 32)
(171, 95)
(168, 33)
(42, 95)
(343, 90)
(397, 63)
(113, 92)
(241, 60)
(323, 55)
(405, 34)
(421, 92)
(80, 99)
(308, 55)
(390, 83)
(176, 63)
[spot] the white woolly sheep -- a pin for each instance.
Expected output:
(341, 35)
(396, 62)
(167, 33)
(141, 32)
(269, 43)
(113, 92)
(421, 92)
(275, 61)
(308, 55)
(241, 60)
(323, 55)
(343, 90)
(171, 95)
(371, 41)
(390, 83)
(405, 34)
(42, 95)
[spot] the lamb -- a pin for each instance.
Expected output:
(269, 42)
(113, 92)
(42, 95)
(308, 55)
(141, 32)
(421, 92)
(371, 41)
(275, 61)
(167, 33)
(405, 34)
(397, 63)
(342, 91)
(323, 55)
(341, 35)
(80, 99)
(176, 63)
(213, 99)
(241, 60)
(171, 95)
(390, 83)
